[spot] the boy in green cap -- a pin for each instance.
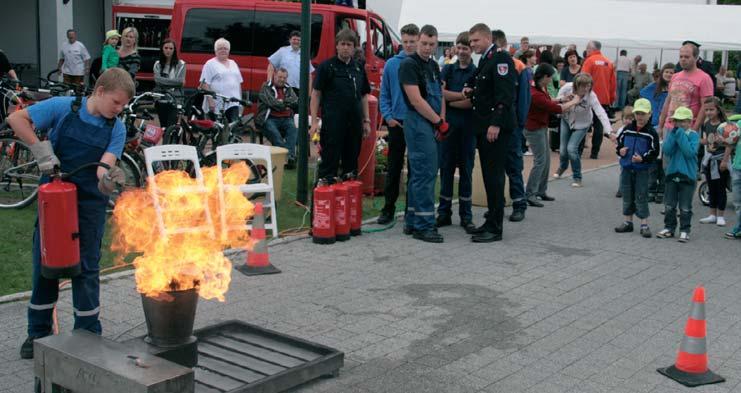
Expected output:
(680, 149)
(638, 148)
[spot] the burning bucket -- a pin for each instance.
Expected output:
(170, 317)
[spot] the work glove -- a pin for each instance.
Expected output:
(113, 179)
(441, 130)
(44, 154)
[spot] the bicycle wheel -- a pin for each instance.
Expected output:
(19, 174)
(133, 173)
(703, 193)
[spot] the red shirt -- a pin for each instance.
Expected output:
(284, 113)
(541, 108)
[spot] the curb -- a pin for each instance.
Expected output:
(14, 297)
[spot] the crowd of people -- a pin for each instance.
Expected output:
(665, 114)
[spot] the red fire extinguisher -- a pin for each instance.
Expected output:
(59, 230)
(323, 223)
(356, 204)
(341, 212)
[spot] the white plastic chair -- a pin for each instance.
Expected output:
(255, 154)
(177, 153)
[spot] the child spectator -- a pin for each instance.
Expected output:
(638, 147)
(680, 149)
(714, 151)
(732, 160)
(110, 55)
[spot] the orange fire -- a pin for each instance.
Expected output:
(190, 252)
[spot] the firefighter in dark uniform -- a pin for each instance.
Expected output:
(492, 90)
(341, 88)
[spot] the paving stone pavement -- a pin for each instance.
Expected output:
(563, 304)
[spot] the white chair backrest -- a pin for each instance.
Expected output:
(256, 154)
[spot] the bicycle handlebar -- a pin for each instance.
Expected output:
(223, 97)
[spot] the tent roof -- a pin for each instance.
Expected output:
(623, 24)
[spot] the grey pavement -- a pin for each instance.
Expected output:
(563, 304)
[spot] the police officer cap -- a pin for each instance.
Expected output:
(691, 42)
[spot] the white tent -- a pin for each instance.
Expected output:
(617, 24)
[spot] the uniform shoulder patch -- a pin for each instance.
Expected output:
(502, 69)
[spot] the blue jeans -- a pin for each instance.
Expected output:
(537, 182)
(678, 194)
(514, 168)
(736, 186)
(569, 152)
(623, 77)
(634, 186)
(456, 151)
(738, 103)
(282, 132)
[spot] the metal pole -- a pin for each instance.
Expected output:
(661, 58)
(303, 105)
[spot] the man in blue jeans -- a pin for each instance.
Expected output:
(275, 114)
(459, 148)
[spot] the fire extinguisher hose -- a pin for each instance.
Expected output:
(85, 166)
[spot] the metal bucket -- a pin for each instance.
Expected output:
(170, 317)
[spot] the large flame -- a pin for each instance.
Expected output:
(192, 258)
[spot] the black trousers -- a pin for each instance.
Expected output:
(598, 133)
(340, 139)
(397, 147)
(493, 158)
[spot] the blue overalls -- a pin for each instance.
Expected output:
(419, 134)
(77, 143)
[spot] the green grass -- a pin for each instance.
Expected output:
(18, 226)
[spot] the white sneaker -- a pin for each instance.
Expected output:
(720, 221)
(528, 153)
(708, 220)
(576, 184)
(684, 237)
(664, 234)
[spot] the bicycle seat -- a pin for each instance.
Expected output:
(202, 124)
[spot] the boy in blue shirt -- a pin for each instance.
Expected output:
(680, 149)
(638, 148)
(82, 130)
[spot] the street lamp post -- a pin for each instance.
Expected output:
(303, 115)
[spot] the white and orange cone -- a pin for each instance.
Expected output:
(258, 259)
(691, 368)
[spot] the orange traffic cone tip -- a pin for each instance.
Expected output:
(258, 259)
(691, 367)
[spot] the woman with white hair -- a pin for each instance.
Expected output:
(128, 56)
(222, 76)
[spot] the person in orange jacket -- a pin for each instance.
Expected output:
(602, 71)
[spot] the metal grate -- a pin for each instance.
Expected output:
(237, 357)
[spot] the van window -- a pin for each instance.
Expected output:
(271, 31)
(382, 47)
(204, 26)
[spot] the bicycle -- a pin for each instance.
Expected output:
(19, 173)
(204, 134)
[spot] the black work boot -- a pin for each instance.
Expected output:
(385, 218)
(443, 221)
(27, 348)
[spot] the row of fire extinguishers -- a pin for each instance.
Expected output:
(338, 209)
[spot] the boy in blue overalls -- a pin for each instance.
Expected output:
(81, 130)
(424, 122)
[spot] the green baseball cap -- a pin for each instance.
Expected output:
(682, 113)
(642, 105)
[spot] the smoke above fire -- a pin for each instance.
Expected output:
(190, 252)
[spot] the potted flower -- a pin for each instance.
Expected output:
(382, 160)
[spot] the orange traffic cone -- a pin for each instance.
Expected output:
(691, 367)
(258, 259)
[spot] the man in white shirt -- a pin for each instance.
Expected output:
(74, 60)
(289, 57)
(623, 78)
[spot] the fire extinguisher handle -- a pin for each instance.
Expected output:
(85, 166)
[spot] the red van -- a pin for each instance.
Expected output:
(256, 29)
